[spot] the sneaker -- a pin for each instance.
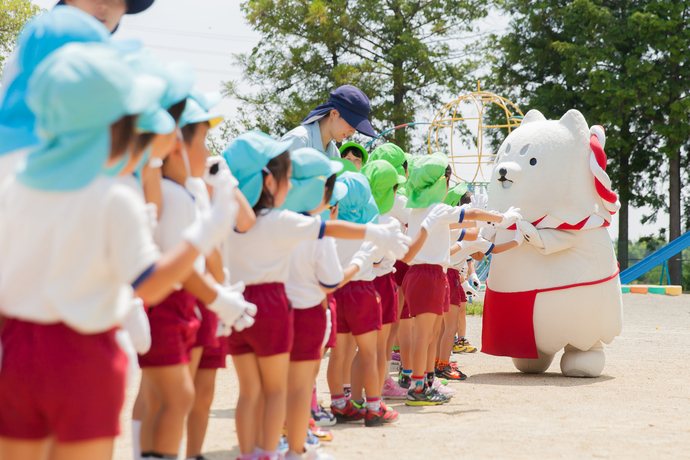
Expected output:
(395, 356)
(391, 390)
(449, 373)
(428, 397)
(384, 415)
(404, 381)
(278, 456)
(442, 389)
(323, 418)
(283, 445)
(347, 391)
(465, 346)
(347, 414)
(458, 349)
(312, 440)
(361, 405)
(323, 435)
(309, 454)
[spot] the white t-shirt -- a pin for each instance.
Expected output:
(436, 248)
(72, 257)
(400, 212)
(310, 136)
(177, 213)
(386, 264)
(348, 248)
(312, 265)
(262, 255)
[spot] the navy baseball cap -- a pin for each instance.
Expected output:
(353, 106)
(133, 6)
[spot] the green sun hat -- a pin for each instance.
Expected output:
(455, 194)
(310, 170)
(427, 182)
(347, 165)
(358, 205)
(365, 155)
(392, 154)
(382, 177)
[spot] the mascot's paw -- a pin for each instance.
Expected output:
(533, 366)
(578, 363)
(531, 234)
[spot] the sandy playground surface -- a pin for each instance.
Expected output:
(638, 408)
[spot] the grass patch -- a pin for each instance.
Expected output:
(475, 308)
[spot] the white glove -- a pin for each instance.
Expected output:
(483, 224)
(364, 256)
(222, 330)
(136, 323)
(388, 238)
(441, 216)
(197, 188)
(530, 234)
(386, 266)
(329, 327)
(519, 237)
(469, 291)
(214, 225)
(231, 307)
(245, 321)
(226, 277)
(463, 270)
(474, 279)
(511, 216)
(124, 341)
(216, 164)
(479, 201)
(152, 214)
(488, 233)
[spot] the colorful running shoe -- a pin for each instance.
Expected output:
(319, 432)
(276, 456)
(428, 397)
(323, 418)
(347, 414)
(443, 389)
(395, 356)
(361, 405)
(468, 346)
(384, 415)
(313, 440)
(391, 390)
(404, 381)
(449, 373)
(309, 454)
(283, 445)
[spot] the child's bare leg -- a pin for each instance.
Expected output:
(194, 359)
(462, 320)
(450, 320)
(274, 371)
(432, 346)
(422, 341)
(197, 422)
(366, 344)
(301, 376)
(357, 379)
(97, 449)
(246, 413)
(392, 339)
(350, 352)
(336, 362)
(175, 390)
(11, 448)
(381, 356)
(406, 336)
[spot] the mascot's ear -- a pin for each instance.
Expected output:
(575, 122)
(532, 116)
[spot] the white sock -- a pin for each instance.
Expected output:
(136, 439)
(181, 454)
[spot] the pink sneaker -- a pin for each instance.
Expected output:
(391, 390)
(441, 388)
(395, 356)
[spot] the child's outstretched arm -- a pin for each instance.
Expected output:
(386, 236)
(245, 216)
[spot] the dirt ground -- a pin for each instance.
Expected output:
(638, 408)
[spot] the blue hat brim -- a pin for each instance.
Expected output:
(158, 122)
(305, 195)
(339, 192)
(133, 6)
(357, 121)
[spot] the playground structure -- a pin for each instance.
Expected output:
(457, 119)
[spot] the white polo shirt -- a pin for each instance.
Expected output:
(348, 248)
(467, 248)
(436, 248)
(262, 255)
(313, 264)
(386, 264)
(310, 136)
(401, 213)
(72, 257)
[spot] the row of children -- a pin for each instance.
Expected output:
(110, 241)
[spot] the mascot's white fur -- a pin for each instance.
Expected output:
(561, 288)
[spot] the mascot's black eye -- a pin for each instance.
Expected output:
(533, 161)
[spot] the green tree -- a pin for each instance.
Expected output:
(13, 15)
(598, 56)
(402, 53)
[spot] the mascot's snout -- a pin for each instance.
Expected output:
(509, 173)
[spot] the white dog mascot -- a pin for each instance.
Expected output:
(561, 288)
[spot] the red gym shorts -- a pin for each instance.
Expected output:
(58, 382)
(401, 269)
(214, 357)
(426, 289)
(310, 330)
(333, 307)
(174, 325)
(457, 293)
(206, 335)
(359, 308)
(405, 311)
(272, 332)
(388, 292)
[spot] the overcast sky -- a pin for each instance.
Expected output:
(205, 33)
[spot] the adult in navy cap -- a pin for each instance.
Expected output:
(346, 111)
(70, 21)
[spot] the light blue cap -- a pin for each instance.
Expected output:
(310, 170)
(178, 76)
(157, 121)
(195, 113)
(42, 36)
(206, 100)
(247, 156)
(358, 205)
(339, 192)
(77, 93)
